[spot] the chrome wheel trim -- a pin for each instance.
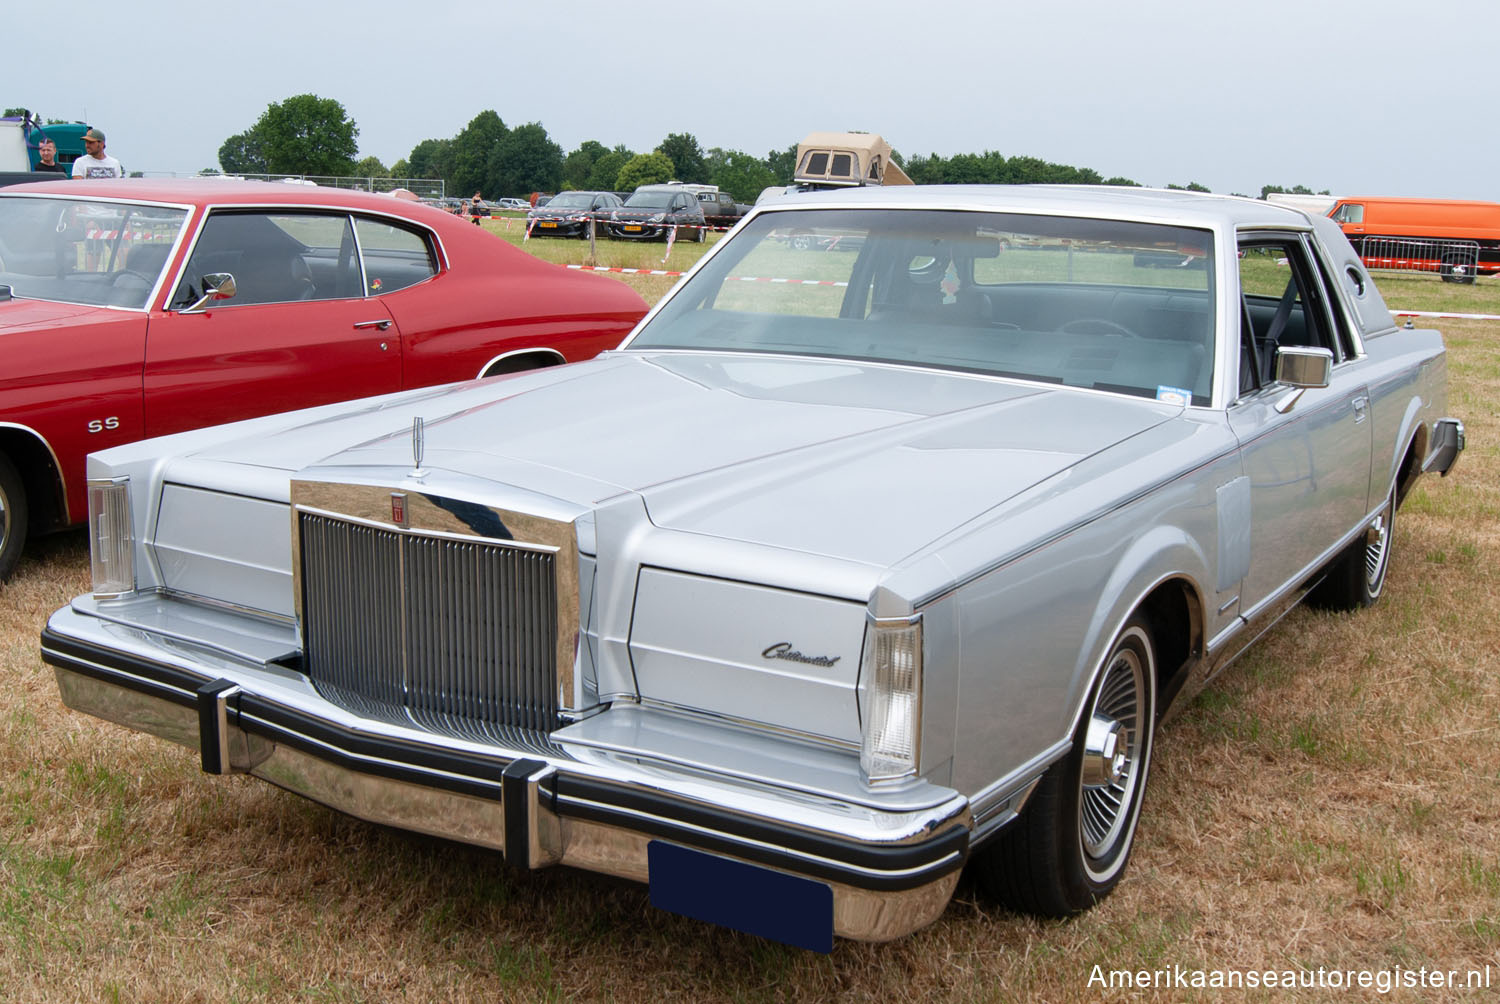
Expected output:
(1378, 549)
(1107, 812)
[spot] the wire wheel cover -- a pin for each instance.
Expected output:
(1106, 810)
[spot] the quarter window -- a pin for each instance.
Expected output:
(395, 256)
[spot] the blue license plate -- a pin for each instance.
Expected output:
(745, 897)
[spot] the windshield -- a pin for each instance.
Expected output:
(571, 200)
(650, 200)
(1103, 304)
(90, 253)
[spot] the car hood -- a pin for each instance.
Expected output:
(21, 314)
(861, 462)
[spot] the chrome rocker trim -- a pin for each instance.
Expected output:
(538, 806)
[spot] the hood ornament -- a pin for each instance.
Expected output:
(418, 444)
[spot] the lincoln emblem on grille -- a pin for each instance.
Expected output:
(398, 509)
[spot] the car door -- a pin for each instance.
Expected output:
(1306, 451)
(299, 330)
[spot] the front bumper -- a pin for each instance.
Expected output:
(884, 871)
(637, 230)
(1448, 441)
(560, 227)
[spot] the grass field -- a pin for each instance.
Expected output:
(1332, 802)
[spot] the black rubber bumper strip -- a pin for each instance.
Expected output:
(887, 868)
(141, 675)
(893, 867)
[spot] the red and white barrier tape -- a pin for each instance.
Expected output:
(1435, 313)
(632, 271)
(794, 282)
(130, 235)
(732, 278)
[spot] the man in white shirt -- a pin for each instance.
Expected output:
(95, 163)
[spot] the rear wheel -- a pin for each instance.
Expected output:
(1357, 576)
(1070, 846)
(1456, 268)
(12, 517)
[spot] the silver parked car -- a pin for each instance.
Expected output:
(845, 570)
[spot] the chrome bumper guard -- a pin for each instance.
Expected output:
(1448, 442)
(538, 806)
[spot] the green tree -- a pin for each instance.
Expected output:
(401, 169)
(578, 165)
(741, 174)
(469, 167)
(242, 154)
(1294, 190)
(783, 164)
(686, 156)
(371, 167)
(928, 170)
(430, 159)
(605, 175)
(645, 169)
(306, 134)
(526, 160)
(1191, 186)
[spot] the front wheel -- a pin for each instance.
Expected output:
(12, 517)
(1070, 846)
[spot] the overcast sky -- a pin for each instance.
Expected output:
(1378, 97)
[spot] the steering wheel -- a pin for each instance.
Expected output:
(1096, 326)
(130, 277)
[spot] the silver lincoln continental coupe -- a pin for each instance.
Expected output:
(849, 567)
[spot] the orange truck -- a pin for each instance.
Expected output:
(1454, 238)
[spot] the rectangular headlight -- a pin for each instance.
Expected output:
(890, 692)
(111, 537)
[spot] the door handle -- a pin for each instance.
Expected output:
(381, 324)
(1361, 404)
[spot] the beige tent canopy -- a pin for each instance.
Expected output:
(847, 158)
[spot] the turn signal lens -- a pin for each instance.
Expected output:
(112, 537)
(890, 690)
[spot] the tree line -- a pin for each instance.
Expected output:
(307, 134)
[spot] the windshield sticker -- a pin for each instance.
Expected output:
(1174, 395)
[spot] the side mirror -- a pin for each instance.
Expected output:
(1299, 366)
(216, 286)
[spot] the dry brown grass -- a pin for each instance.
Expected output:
(1330, 802)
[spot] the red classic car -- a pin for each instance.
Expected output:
(139, 308)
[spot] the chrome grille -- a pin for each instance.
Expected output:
(446, 632)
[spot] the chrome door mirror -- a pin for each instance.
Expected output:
(1305, 367)
(216, 286)
(1301, 368)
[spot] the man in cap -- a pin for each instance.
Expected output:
(95, 163)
